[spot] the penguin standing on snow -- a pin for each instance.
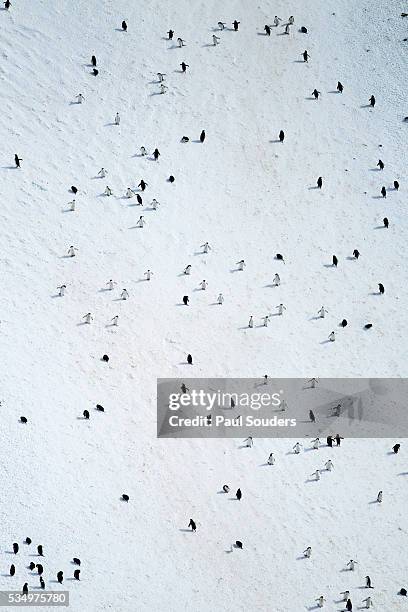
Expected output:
(335, 261)
(396, 448)
(124, 26)
(192, 525)
(386, 222)
(202, 136)
(383, 192)
(239, 494)
(356, 253)
(381, 288)
(236, 23)
(15, 548)
(372, 101)
(267, 30)
(93, 61)
(340, 87)
(319, 182)
(189, 359)
(60, 577)
(380, 164)
(281, 136)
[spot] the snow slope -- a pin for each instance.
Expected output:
(250, 197)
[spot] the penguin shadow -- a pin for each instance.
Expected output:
(11, 552)
(365, 105)
(73, 103)
(235, 270)
(263, 464)
(310, 98)
(377, 197)
(391, 453)
(215, 304)
(56, 295)
(333, 91)
(200, 253)
(375, 293)
(315, 318)
(374, 502)
(377, 227)
(301, 558)
(9, 167)
(313, 187)
(298, 62)
(178, 71)
(262, 34)
(208, 45)
(325, 342)
(375, 169)
(273, 141)
(311, 480)
(244, 327)
(186, 530)
(402, 474)
(233, 499)
(78, 325)
(314, 608)
(81, 418)
(180, 304)
(104, 290)
(350, 258)
(116, 30)
(328, 266)
(66, 210)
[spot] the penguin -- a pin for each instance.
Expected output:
(60, 577)
(386, 222)
(381, 288)
(40, 550)
(312, 416)
(349, 606)
(171, 179)
(31, 566)
(383, 192)
(74, 189)
(23, 419)
(192, 525)
(28, 540)
(356, 253)
(368, 582)
(279, 257)
(303, 30)
(76, 561)
(93, 60)
(319, 182)
(368, 326)
(125, 497)
(100, 408)
(124, 26)
(95, 72)
(239, 494)
(226, 488)
(403, 592)
(12, 569)
(25, 588)
(340, 87)
(281, 136)
(202, 136)
(76, 574)
(267, 30)
(15, 547)
(372, 101)
(189, 359)
(335, 261)
(396, 185)
(105, 358)
(86, 414)
(238, 544)
(42, 583)
(380, 164)
(139, 199)
(40, 569)
(343, 323)
(236, 23)
(185, 300)
(396, 448)
(170, 34)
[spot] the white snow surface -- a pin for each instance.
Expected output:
(250, 197)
